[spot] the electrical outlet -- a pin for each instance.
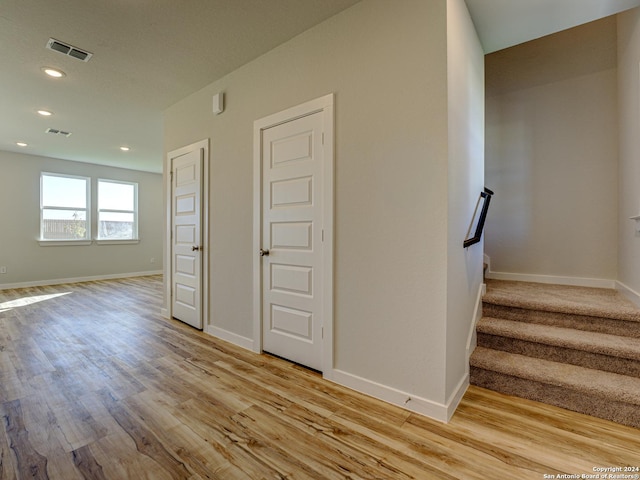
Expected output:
(153, 260)
(3, 269)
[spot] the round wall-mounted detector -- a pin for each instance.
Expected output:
(53, 72)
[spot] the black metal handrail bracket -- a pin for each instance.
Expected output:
(478, 220)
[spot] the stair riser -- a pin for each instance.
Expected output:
(580, 358)
(601, 407)
(579, 322)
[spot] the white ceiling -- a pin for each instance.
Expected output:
(149, 54)
(504, 23)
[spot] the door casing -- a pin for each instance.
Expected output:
(325, 105)
(168, 280)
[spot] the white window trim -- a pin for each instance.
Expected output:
(116, 241)
(63, 243)
(81, 241)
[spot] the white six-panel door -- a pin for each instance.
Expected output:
(292, 231)
(186, 243)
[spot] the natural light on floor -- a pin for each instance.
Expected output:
(24, 301)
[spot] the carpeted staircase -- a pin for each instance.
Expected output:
(573, 347)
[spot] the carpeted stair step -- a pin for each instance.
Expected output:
(597, 302)
(591, 309)
(605, 352)
(593, 392)
(573, 347)
(578, 322)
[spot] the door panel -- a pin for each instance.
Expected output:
(292, 235)
(292, 169)
(292, 192)
(292, 279)
(297, 324)
(186, 261)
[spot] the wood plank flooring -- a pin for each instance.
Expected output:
(95, 384)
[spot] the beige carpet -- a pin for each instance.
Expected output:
(574, 347)
(563, 337)
(596, 302)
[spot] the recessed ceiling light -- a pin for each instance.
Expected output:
(45, 113)
(125, 149)
(53, 72)
(21, 144)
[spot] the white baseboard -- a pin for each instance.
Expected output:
(456, 397)
(230, 337)
(423, 406)
(628, 292)
(557, 280)
(59, 281)
(477, 315)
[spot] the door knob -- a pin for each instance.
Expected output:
(195, 248)
(264, 253)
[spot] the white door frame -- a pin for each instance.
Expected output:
(325, 105)
(168, 280)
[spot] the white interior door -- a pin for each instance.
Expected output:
(186, 237)
(292, 237)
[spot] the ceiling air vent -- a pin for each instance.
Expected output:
(69, 50)
(58, 132)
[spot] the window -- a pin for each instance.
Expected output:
(66, 211)
(117, 210)
(64, 207)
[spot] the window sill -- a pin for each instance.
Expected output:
(66, 243)
(118, 242)
(63, 243)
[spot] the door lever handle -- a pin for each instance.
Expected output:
(264, 253)
(196, 248)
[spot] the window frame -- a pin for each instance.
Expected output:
(135, 233)
(87, 210)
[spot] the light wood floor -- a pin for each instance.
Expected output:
(95, 384)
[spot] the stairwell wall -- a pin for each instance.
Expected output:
(629, 178)
(465, 65)
(551, 155)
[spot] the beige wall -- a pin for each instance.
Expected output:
(28, 262)
(629, 178)
(551, 154)
(465, 182)
(386, 62)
